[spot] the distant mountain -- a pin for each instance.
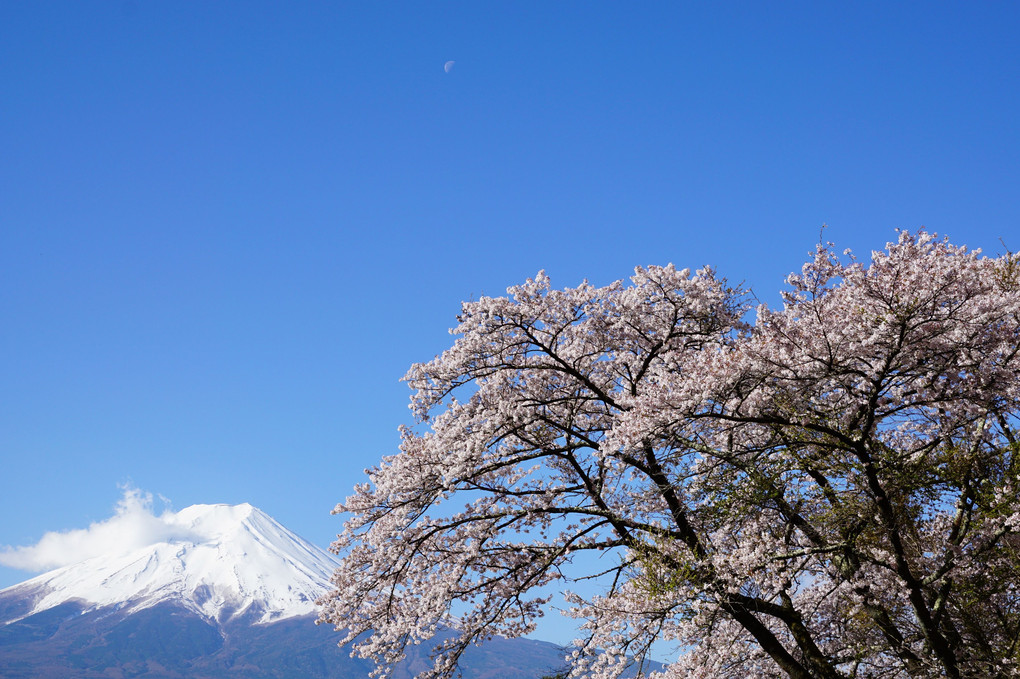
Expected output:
(222, 561)
(234, 597)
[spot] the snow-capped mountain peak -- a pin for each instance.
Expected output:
(217, 560)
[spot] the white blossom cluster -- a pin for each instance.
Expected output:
(828, 492)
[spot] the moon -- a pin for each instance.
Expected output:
(448, 65)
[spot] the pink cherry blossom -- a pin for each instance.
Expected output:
(827, 491)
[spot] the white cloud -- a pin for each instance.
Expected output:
(133, 525)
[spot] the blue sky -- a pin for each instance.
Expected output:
(227, 229)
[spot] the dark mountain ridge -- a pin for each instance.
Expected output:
(171, 642)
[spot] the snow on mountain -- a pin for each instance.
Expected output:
(222, 561)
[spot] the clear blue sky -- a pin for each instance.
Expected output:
(228, 228)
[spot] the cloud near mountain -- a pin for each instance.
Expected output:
(133, 525)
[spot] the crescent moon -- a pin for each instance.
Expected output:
(448, 65)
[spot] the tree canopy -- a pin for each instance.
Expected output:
(825, 490)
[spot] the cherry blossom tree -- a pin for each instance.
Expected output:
(828, 490)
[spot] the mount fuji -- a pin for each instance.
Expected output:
(224, 591)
